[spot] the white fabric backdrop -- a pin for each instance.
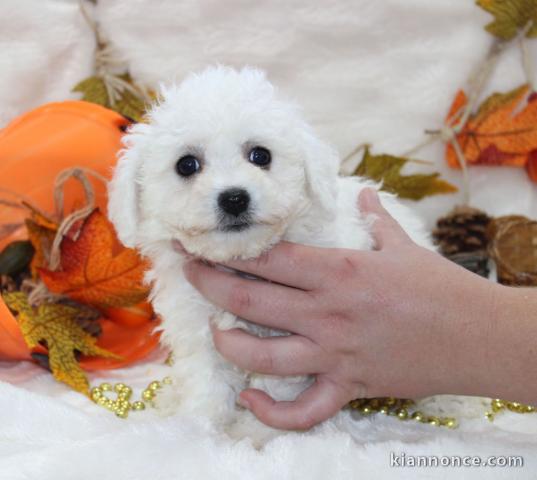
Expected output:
(364, 71)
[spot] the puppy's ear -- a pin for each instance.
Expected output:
(123, 196)
(321, 164)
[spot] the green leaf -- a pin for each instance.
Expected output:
(510, 16)
(386, 169)
(93, 90)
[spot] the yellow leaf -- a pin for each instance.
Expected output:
(55, 324)
(93, 90)
(130, 102)
(510, 16)
(387, 170)
(130, 106)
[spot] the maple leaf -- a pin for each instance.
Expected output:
(496, 134)
(96, 270)
(55, 324)
(93, 90)
(387, 169)
(510, 16)
(130, 104)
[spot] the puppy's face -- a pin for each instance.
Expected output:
(220, 167)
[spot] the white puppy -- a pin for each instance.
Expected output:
(228, 168)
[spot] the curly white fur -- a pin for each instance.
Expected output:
(300, 198)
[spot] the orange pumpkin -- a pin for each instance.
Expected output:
(34, 148)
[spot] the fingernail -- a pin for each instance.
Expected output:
(243, 402)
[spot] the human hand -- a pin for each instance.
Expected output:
(397, 321)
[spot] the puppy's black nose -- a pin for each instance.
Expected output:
(234, 201)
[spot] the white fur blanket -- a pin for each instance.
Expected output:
(365, 71)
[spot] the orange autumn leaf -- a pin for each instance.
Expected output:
(96, 269)
(499, 133)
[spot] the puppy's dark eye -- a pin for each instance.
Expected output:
(259, 156)
(187, 165)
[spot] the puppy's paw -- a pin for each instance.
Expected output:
(247, 426)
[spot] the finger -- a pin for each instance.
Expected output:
(284, 356)
(260, 302)
(385, 229)
(298, 266)
(318, 403)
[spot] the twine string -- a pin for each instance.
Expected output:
(38, 292)
(527, 62)
(80, 174)
(477, 82)
(529, 71)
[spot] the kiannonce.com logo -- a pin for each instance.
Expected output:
(428, 461)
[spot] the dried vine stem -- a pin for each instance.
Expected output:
(476, 83)
(527, 63)
(529, 72)
(108, 64)
(21, 199)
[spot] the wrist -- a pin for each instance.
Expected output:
(497, 353)
(512, 369)
(475, 338)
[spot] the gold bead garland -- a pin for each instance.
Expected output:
(399, 407)
(396, 407)
(497, 406)
(122, 405)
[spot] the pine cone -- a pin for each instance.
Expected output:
(463, 230)
(476, 262)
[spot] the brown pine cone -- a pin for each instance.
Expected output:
(476, 262)
(463, 230)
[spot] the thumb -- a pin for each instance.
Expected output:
(384, 228)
